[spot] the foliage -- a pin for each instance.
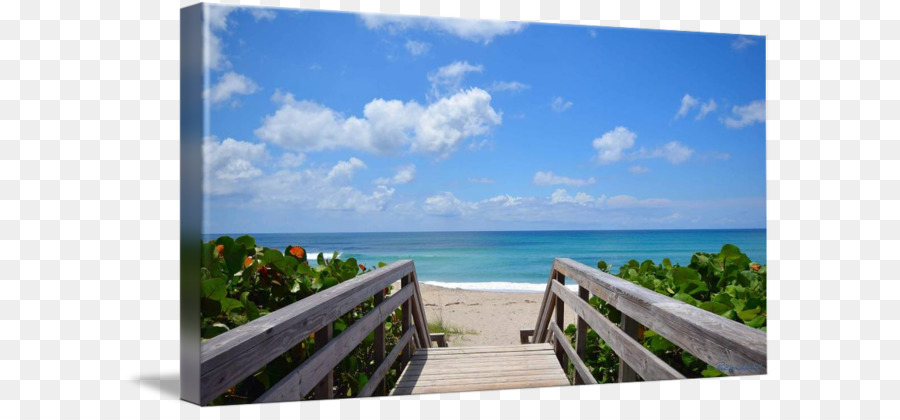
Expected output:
(437, 325)
(241, 281)
(727, 284)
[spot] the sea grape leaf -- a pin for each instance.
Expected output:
(214, 289)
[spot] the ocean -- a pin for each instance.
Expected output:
(514, 261)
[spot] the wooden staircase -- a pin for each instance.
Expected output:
(456, 369)
(543, 359)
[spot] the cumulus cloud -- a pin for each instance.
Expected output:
(446, 204)
(638, 169)
(230, 165)
(323, 188)
(742, 42)
(628, 201)
(403, 175)
(673, 151)
(582, 199)
(230, 84)
(448, 79)
(261, 13)
(291, 160)
(549, 178)
(386, 125)
(216, 19)
(560, 105)
(687, 103)
(706, 108)
(744, 115)
(482, 181)
(511, 86)
(416, 48)
(483, 31)
(612, 144)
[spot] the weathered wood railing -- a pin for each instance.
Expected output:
(229, 358)
(733, 348)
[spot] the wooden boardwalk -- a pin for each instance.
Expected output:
(457, 369)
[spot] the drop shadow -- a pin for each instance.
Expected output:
(168, 385)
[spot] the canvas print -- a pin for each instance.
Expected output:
(379, 205)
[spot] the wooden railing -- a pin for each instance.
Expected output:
(733, 348)
(229, 358)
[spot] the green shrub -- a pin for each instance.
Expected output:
(727, 284)
(241, 281)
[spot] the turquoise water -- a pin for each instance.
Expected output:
(515, 260)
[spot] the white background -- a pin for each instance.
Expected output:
(89, 215)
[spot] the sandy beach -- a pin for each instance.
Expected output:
(484, 318)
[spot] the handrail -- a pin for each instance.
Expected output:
(734, 348)
(232, 356)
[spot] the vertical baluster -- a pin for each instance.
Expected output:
(404, 324)
(560, 322)
(325, 388)
(379, 344)
(631, 327)
(581, 333)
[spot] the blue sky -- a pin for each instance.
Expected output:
(337, 122)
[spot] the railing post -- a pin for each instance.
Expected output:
(560, 322)
(404, 324)
(631, 327)
(379, 344)
(325, 388)
(581, 333)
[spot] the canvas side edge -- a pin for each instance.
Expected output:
(191, 166)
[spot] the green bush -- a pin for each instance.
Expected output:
(241, 282)
(727, 284)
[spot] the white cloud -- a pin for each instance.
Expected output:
(351, 199)
(343, 171)
(503, 86)
(560, 105)
(446, 204)
(612, 144)
(231, 165)
(323, 188)
(448, 79)
(483, 31)
(436, 129)
(627, 201)
(482, 181)
(582, 199)
(291, 160)
(261, 13)
(687, 102)
(230, 84)
(404, 175)
(503, 200)
(549, 178)
(706, 108)
(476, 145)
(417, 47)
(673, 151)
(744, 115)
(742, 42)
(216, 21)
(638, 169)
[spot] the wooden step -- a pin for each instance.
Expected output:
(457, 369)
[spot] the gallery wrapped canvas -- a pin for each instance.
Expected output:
(379, 205)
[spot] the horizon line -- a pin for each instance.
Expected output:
(486, 231)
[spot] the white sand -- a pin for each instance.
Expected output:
(488, 318)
